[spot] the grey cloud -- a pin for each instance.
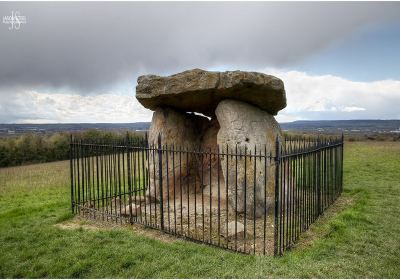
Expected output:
(90, 45)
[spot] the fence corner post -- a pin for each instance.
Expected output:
(277, 166)
(160, 177)
(341, 158)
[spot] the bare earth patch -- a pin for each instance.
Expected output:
(79, 222)
(87, 222)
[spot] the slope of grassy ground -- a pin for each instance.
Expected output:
(361, 240)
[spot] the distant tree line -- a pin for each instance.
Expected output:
(36, 148)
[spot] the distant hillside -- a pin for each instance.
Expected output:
(336, 126)
(346, 126)
(9, 129)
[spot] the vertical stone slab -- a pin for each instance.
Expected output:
(180, 131)
(248, 127)
(210, 165)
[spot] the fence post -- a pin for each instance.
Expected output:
(341, 175)
(128, 159)
(160, 181)
(319, 176)
(277, 166)
(71, 174)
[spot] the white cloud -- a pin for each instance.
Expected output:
(308, 97)
(37, 107)
(332, 97)
(353, 109)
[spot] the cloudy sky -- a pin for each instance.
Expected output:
(79, 61)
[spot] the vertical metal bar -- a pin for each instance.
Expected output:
(188, 190)
(173, 174)
(74, 157)
(119, 180)
(312, 184)
(151, 155)
(83, 173)
(195, 155)
(341, 165)
(226, 190)
(277, 245)
(160, 175)
(155, 184)
(76, 175)
(71, 174)
(93, 177)
(245, 195)
(110, 177)
(180, 186)
(285, 201)
(337, 159)
(254, 197)
(97, 148)
(129, 179)
(331, 174)
(319, 179)
(309, 183)
(210, 163)
(292, 197)
(296, 190)
(236, 194)
(89, 183)
(115, 185)
(219, 196)
(145, 155)
(168, 186)
(265, 195)
(302, 171)
(202, 192)
(325, 175)
(106, 156)
(138, 179)
(291, 191)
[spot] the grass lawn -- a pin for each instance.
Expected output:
(362, 239)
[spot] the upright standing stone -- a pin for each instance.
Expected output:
(210, 168)
(249, 128)
(179, 131)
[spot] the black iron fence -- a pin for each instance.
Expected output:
(248, 199)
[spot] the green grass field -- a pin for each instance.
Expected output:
(359, 237)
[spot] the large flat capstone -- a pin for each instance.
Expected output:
(201, 91)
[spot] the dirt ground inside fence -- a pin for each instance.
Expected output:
(198, 218)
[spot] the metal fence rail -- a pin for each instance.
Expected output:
(252, 200)
(309, 179)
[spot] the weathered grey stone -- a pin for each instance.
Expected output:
(233, 231)
(200, 91)
(88, 205)
(210, 163)
(136, 210)
(179, 131)
(138, 199)
(249, 128)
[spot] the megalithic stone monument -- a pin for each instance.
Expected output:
(238, 109)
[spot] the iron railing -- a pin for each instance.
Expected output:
(252, 200)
